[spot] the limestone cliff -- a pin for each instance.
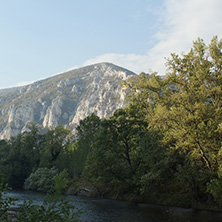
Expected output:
(63, 99)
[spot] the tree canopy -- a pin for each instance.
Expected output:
(165, 146)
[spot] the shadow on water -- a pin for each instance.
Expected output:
(103, 210)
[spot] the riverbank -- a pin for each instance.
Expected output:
(101, 210)
(84, 189)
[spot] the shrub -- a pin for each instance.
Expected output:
(41, 180)
(52, 210)
(5, 203)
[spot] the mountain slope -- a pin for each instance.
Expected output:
(63, 99)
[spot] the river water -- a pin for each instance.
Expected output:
(103, 210)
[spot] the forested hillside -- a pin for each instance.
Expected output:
(164, 147)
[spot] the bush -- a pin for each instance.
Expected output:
(41, 180)
(5, 203)
(61, 181)
(52, 210)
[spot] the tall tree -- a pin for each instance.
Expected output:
(23, 156)
(189, 113)
(86, 131)
(120, 150)
(56, 142)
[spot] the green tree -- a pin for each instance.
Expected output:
(86, 131)
(195, 104)
(195, 112)
(4, 152)
(55, 144)
(120, 151)
(186, 107)
(23, 156)
(145, 93)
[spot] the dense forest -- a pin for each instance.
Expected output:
(164, 147)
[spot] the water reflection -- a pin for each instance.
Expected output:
(102, 210)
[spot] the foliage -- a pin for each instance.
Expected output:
(42, 179)
(56, 210)
(86, 131)
(61, 181)
(32, 150)
(164, 146)
(195, 112)
(214, 187)
(22, 156)
(186, 107)
(56, 141)
(5, 203)
(120, 151)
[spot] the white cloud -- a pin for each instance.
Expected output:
(72, 68)
(181, 22)
(184, 22)
(132, 62)
(23, 83)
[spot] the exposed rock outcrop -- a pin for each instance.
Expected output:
(63, 99)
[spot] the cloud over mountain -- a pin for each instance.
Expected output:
(180, 23)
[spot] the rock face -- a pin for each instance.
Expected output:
(63, 99)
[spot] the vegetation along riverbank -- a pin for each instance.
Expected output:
(164, 147)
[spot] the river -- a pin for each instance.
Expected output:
(103, 210)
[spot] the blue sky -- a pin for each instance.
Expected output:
(40, 38)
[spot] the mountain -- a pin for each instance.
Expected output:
(63, 99)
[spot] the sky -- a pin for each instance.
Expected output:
(41, 38)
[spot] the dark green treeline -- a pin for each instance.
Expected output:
(164, 147)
